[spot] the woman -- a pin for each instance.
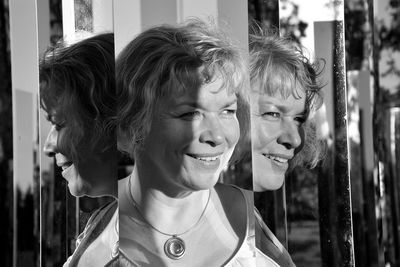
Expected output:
(181, 102)
(284, 91)
(77, 91)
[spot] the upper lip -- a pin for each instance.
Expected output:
(62, 161)
(61, 164)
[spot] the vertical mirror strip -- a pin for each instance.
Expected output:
(318, 232)
(151, 243)
(76, 83)
(385, 123)
(24, 71)
(359, 33)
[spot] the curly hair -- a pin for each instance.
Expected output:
(77, 86)
(166, 60)
(278, 65)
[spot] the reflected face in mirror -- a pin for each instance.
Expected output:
(77, 91)
(87, 177)
(192, 136)
(276, 135)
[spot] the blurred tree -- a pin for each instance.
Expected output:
(356, 35)
(388, 42)
(290, 23)
(264, 12)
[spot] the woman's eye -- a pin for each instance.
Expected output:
(229, 112)
(271, 115)
(58, 125)
(190, 115)
(300, 120)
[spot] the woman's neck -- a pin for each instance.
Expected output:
(169, 212)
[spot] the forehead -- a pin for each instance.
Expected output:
(278, 81)
(213, 92)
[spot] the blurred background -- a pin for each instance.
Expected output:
(346, 212)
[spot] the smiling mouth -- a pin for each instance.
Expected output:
(276, 158)
(203, 158)
(65, 165)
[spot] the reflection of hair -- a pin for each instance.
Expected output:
(77, 86)
(164, 60)
(278, 65)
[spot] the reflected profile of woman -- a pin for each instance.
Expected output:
(284, 91)
(77, 91)
(180, 94)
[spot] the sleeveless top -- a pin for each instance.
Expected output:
(270, 252)
(100, 237)
(245, 255)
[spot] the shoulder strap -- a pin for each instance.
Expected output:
(268, 244)
(95, 226)
(248, 196)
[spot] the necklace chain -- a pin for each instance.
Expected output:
(161, 232)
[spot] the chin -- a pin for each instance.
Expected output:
(77, 191)
(79, 188)
(267, 182)
(203, 181)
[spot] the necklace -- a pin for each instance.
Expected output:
(174, 247)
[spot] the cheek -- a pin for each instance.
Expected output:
(63, 143)
(232, 132)
(173, 134)
(264, 134)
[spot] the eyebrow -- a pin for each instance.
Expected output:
(196, 104)
(282, 107)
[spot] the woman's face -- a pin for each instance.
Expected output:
(192, 137)
(92, 176)
(276, 133)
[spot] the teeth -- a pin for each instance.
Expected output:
(278, 159)
(207, 158)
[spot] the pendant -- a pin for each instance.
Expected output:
(174, 248)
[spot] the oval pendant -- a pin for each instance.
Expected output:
(174, 248)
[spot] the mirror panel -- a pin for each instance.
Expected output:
(64, 216)
(24, 71)
(359, 24)
(140, 15)
(385, 122)
(132, 18)
(302, 214)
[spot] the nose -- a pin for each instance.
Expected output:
(213, 133)
(50, 145)
(290, 135)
